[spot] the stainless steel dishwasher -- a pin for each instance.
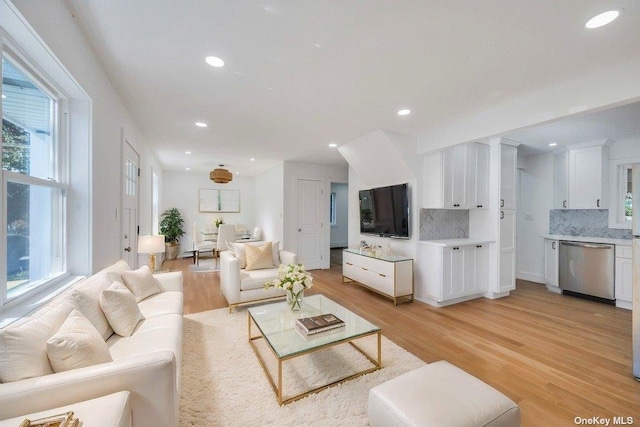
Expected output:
(587, 269)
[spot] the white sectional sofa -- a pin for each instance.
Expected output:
(242, 286)
(147, 363)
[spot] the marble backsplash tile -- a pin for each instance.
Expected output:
(436, 224)
(584, 222)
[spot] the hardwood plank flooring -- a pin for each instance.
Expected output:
(557, 356)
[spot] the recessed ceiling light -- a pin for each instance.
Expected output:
(553, 144)
(187, 152)
(252, 159)
(237, 173)
(404, 112)
(602, 19)
(4, 96)
(214, 61)
(333, 145)
(201, 124)
(188, 169)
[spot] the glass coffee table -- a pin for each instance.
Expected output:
(276, 324)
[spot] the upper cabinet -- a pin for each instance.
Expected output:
(581, 178)
(457, 177)
(508, 163)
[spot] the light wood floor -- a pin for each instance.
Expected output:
(557, 356)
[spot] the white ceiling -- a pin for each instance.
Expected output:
(303, 73)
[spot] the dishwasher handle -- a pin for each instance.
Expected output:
(586, 245)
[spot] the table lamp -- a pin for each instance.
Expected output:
(151, 245)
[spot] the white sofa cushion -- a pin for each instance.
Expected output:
(255, 279)
(141, 282)
(168, 302)
(76, 344)
(121, 309)
(23, 344)
(87, 296)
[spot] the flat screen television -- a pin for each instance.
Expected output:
(384, 211)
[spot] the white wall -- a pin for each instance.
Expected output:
(626, 148)
(340, 231)
(180, 190)
(269, 200)
(535, 202)
(57, 29)
(325, 173)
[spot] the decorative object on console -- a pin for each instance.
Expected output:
(218, 222)
(220, 175)
(62, 420)
(294, 279)
(151, 245)
(171, 228)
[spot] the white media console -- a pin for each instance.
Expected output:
(391, 276)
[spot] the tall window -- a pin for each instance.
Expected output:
(625, 198)
(34, 196)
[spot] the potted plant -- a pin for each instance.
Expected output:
(171, 228)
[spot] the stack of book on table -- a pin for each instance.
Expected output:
(316, 324)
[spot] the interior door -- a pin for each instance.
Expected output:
(310, 212)
(130, 170)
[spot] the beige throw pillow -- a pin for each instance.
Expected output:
(141, 282)
(76, 344)
(240, 253)
(259, 257)
(121, 309)
(87, 296)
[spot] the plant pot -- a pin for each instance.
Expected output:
(171, 251)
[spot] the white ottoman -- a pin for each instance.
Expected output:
(113, 410)
(440, 394)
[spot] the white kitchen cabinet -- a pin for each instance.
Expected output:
(454, 271)
(391, 276)
(551, 264)
(508, 163)
(507, 245)
(457, 177)
(561, 181)
(588, 177)
(624, 277)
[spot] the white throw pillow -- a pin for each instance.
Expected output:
(76, 344)
(141, 282)
(121, 309)
(115, 271)
(87, 296)
(259, 257)
(240, 253)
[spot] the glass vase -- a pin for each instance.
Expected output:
(294, 300)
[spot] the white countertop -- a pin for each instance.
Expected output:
(456, 242)
(609, 240)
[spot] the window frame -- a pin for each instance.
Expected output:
(617, 186)
(59, 171)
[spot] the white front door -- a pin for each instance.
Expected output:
(310, 213)
(130, 171)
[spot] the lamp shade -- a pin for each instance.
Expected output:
(150, 244)
(220, 175)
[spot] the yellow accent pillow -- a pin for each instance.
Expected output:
(259, 257)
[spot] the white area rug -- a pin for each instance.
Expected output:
(205, 265)
(223, 383)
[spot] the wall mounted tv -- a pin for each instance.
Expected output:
(384, 211)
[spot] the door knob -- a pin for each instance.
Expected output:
(127, 249)
(299, 229)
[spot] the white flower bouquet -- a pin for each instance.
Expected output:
(294, 279)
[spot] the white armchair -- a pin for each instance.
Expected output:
(240, 286)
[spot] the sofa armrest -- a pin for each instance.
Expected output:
(171, 281)
(287, 257)
(151, 379)
(230, 277)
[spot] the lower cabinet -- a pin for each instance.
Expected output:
(624, 277)
(391, 276)
(452, 272)
(551, 264)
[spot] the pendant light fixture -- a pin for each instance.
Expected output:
(220, 175)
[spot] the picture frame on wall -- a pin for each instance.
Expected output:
(215, 200)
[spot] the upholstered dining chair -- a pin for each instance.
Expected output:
(226, 234)
(200, 245)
